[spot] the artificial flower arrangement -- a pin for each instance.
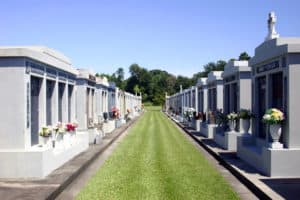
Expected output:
(197, 115)
(189, 112)
(245, 114)
(116, 113)
(221, 118)
(71, 127)
(232, 116)
(59, 128)
(273, 116)
(45, 131)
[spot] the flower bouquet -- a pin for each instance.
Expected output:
(273, 116)
(232, 117)
(46, 131)
(71, 127)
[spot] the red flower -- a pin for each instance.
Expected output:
(70, 127)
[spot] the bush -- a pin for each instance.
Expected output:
(148, 104)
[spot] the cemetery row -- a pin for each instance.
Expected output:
(51, 111)
(251, 107)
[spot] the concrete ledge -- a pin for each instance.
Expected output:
(270, 162)
(52, 185)
(227, 141)
(208, 130)
(38, 162)
(196, 125)
(109, 126)
(94, 136)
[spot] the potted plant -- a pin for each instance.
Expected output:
(232, 117)
(116, 116)
(189, 113)
(221, 120)
(59, 130)
(196, 120)
(274, 118)
(197, 115)
(245, 115)
(45, 134)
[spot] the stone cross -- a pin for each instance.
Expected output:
(271, 27)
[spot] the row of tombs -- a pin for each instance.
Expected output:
(252, 107)
(51, 111)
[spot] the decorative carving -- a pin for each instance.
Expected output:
(271, 27)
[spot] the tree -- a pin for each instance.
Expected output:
(118, 78)
(136, 89)
(184, 81)
(244, 56)
(220, 65)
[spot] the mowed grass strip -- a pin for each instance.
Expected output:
(156, 161)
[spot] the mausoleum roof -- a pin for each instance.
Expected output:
(39, 53)
(214, 76)
(274, 48)
(86, 74)
(235, 66)
(201, 81)
(102, 81)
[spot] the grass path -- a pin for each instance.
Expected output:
(155, 161)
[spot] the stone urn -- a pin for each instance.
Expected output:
(275, 132)
(44, 140)
(246, 125)
(59, 137)
(231, 124)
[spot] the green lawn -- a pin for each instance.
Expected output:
(155, 161)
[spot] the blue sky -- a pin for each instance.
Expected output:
(179, 36)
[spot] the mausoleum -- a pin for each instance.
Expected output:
(39, 88)
(275, 84)
(237, 96)
(214, 83)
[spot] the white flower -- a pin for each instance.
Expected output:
(267, 117)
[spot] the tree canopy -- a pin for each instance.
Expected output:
(154, 84)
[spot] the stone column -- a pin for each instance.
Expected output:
(196, 99)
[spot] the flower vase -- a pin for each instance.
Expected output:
(59, 140)
(231, 125)
(275, 131)
(246, 125)
(67, 139)
(44, 140)
(73, 135)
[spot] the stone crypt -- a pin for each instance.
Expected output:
(39, 85)
(275, 84)
(237, 95)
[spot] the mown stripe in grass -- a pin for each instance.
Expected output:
(155, 161)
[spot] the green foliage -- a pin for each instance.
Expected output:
(244, 56)
(136, 89)
(153, 84)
